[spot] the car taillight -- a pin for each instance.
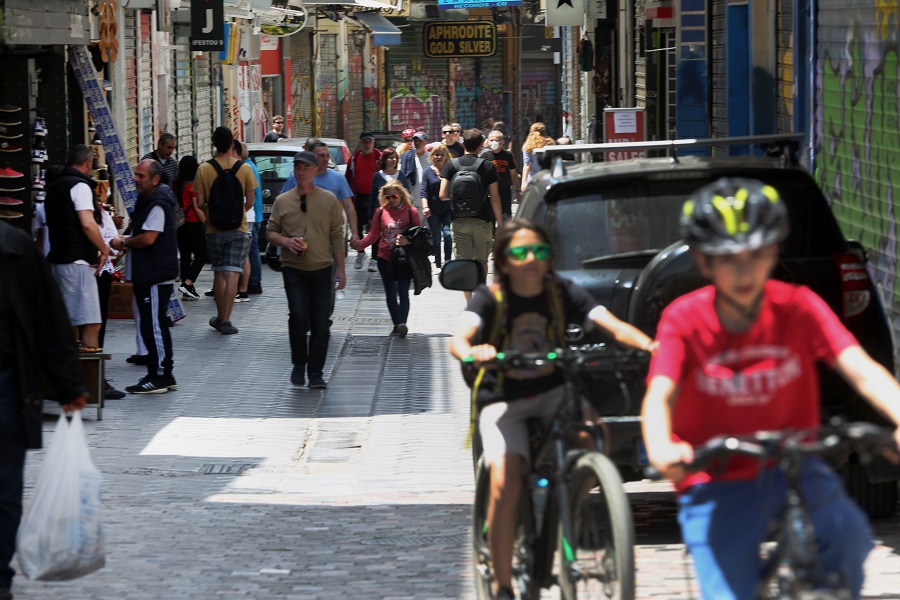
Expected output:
(346, 152)
(856, 288)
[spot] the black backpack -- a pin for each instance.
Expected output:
(466, 191)
(225, 205)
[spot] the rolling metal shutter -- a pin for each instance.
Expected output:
(540, 95)
(130, 134)
(356, 41)
(785, 67)
(327, 106)
(418, 87)
(478, 84)
(717, 84)
(183, 108)
(205, 95)
(857, 161)
(146, 122)
(303, 115)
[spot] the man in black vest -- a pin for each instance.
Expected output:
(152, 266)
(77, 250)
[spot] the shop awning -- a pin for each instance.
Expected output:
(384, 32)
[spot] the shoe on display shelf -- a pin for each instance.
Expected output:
(8, 173)
(7, 133)
(9, 147)
(40, 127)
(7, 201)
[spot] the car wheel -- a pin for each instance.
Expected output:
(878, 500)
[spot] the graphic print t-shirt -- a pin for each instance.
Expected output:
(529, 324)
(736, 383)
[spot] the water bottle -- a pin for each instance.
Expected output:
(339, 294)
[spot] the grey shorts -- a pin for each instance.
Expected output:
(503, 425)
(228, 250)
(78, 284)
(472, 238)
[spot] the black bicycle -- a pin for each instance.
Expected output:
(573, 510)
(789, 568)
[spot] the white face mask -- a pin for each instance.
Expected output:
(494, 145)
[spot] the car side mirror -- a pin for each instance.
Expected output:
(463, 275)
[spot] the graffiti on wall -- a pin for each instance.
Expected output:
(418, 98)
(540, 96)
(479, 93)
(857, 100)
(301, 94)
(371, 112)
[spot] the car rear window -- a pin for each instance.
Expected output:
(274, 166)
(642, 215)
(337, 155)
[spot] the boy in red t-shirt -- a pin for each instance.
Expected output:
(739, 356)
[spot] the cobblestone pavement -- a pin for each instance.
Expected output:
(240, 485)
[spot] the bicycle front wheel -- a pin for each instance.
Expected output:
(599, 562)
(481, 556)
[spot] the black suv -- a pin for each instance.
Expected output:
(615, 229)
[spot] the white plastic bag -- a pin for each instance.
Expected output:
(61, 536)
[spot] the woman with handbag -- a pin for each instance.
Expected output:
(434, 209)
(394, 215)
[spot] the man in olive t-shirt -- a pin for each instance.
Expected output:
(227, 249)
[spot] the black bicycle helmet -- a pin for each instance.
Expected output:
(733, 215)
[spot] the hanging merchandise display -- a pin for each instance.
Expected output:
(80, 59)
(108, 29)
(586, 55)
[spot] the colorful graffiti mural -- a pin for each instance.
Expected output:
(478, 89)
(418, 97)
(540, 96)
(857, 160)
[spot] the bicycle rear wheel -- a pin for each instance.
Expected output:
(599, 562)
(481, 556)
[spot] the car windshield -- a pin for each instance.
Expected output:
(274, 166)
(337, 155)
(643, 217)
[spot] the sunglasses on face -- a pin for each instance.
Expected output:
(391, 196)
(303, 203)
(447, 131)
(539, 251)
(279, 122)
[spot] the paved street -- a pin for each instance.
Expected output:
(240, 485)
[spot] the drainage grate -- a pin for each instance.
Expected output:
(362, 320)
(416, 541)
(366, 345)
(229, 469)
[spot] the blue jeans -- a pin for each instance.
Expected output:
(309, 306)
(12, 465)
(255, 260)
(724, 522)
(440, 227)
(394, 290)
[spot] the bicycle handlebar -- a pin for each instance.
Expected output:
(791, 445)
(608, 358)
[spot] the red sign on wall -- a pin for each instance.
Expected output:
(622, 125)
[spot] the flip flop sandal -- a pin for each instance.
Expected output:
(89, 349)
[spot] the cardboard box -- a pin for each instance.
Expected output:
(120, 295)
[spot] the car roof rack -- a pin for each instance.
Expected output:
(784, 145)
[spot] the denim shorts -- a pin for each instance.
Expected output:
(228, 250)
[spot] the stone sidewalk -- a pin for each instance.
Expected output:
(240, 485)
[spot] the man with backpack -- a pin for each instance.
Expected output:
(467, 182)
(224, 188)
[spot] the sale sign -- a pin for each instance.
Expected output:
(623, 125)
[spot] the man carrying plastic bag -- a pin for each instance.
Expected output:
(35, 341)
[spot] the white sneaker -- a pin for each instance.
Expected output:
(360, 260)
(373, 265)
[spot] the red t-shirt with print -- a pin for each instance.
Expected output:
(738, 383)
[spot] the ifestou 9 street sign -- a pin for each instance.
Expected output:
(460, 39)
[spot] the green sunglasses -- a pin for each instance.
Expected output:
(540, 252)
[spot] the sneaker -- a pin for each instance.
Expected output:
(9, 147)
(38, 157)
(226, 328)
(360, 261)
(402, 330)
(505, 594)
(40, 128)
(9, 108)
(373, 265)
(111, 393)
(395, 330)
(39, 144)
(5, 201)
(170, 382)
(215, 323)
(38, 183)
(254, 288)
(242, 297)
(40, 196)
(188, 291)
(7, 133)
(9, 122)
(317, 383)
(210, 293)
(8, 173)
(297, 377)
(148, 385)
(137, 359)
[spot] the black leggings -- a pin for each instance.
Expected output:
(192, 247)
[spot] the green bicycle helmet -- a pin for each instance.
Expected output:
(732, 215)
